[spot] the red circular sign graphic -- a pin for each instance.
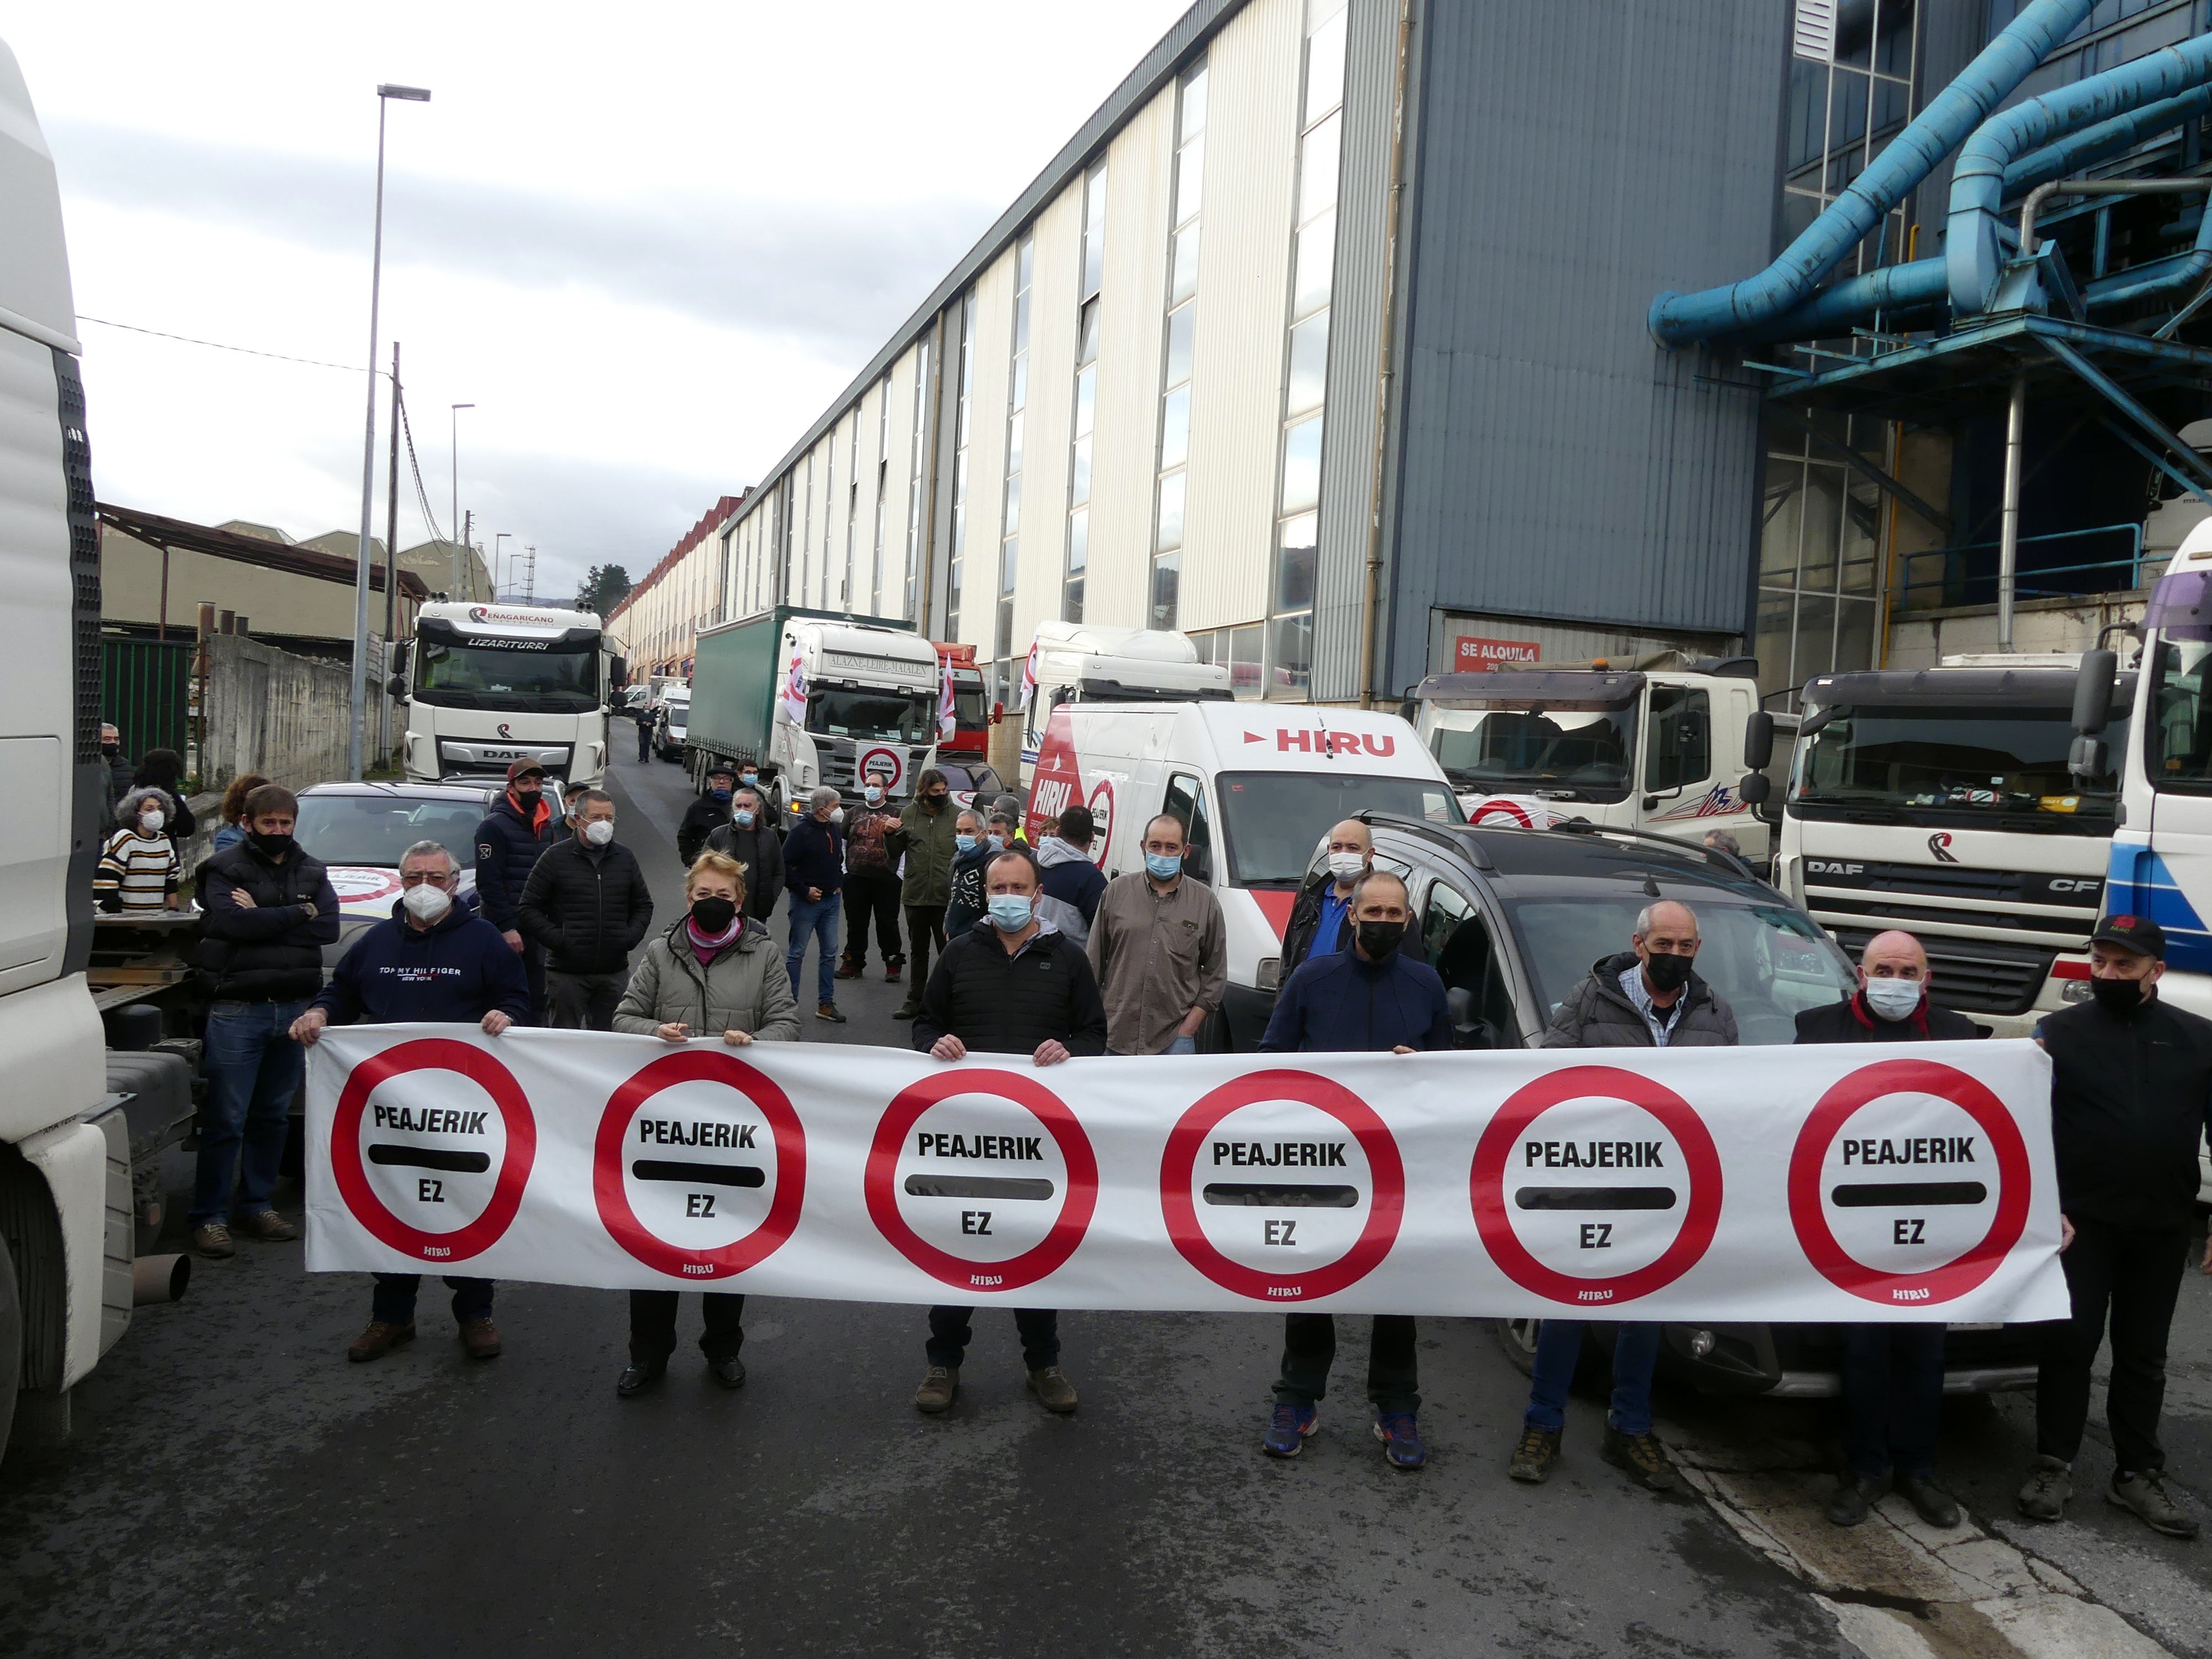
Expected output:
(1066, 1232)
(699, 1065)
(434, 1055)
(1101, 819)
(871, 756)
(1954, 1278)
(1386, 1207)
(1486, 1184)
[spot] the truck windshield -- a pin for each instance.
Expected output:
(556, 677)
(970, 711)
(1566, 752)
(1271, 820)
(1968, 764)
(845, 713)
(1767, 961)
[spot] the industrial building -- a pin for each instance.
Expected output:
(1330, 340)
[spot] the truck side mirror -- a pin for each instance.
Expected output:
(998, 712)
(1410, 710)
(1756, 788)
(2088, 758)
(1757, 743)
(2092, 693)
(401, 650)
(396, 686)
(620, 668)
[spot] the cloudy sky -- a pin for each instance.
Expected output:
(649, 243)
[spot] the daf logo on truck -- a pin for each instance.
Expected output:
(1828, 867)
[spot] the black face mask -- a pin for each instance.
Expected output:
(274, 847)
(935, 802)
(111, 748)
(713, 914)
(2122, 997)
(1664, 973)
(1379, 939)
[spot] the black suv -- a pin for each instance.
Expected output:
(1514, 919)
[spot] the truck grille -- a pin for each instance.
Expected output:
(1971, 976)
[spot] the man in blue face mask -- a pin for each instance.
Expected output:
(707, 813)
(1160, 949)
(1011, 985)
(750, 839)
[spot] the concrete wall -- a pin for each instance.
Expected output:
(1923, 640)
(267, 711)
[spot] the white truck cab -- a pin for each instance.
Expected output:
(1072, 663)
(486, 685)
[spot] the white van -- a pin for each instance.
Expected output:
(1259, 784)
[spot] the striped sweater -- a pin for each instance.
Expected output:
(136, 872)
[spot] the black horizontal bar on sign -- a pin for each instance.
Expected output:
(952, 1186)
(1272, 1195)
(430, 1157)
(1595, 1198)
(699, 1174)
(1903, 1194)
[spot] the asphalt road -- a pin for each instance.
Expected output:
(234, 1486)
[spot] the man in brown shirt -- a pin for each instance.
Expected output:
(1160, 950)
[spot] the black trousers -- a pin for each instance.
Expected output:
(2134, 1273)
(583, 1002)
(1892, 1378)
(652, 1325)
(644, 741)
(393, 1302)
(871, 893)
(924, 922)
(1309, 1348)
(533, 971)
(1038, 1327)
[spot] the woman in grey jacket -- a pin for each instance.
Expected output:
(713, 970)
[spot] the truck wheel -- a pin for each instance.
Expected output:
(11, 1343)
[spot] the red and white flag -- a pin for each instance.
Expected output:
(946, 722)
(1029, 675)
(792, 702)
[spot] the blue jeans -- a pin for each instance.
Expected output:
(253, 1069)
(815, 919)
(1635, 1351)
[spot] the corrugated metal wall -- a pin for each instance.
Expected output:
(1575, 159)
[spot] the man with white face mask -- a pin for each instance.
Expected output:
(587, 903)
(435, 962)
(1320, 920)
(1893, 1375)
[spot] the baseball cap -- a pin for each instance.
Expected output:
(523, 768)
(2137, 933)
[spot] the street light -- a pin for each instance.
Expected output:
(355, 733)
(496, 541)
(459, 591)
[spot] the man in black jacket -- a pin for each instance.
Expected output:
(267, 911)
(2130, 1096)
(1008, 986)
(755, 842)
(510, 841)
(814, 859)
(1893, 1375)
(586, 903)
(706, 814)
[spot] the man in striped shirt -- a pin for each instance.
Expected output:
(139, 873)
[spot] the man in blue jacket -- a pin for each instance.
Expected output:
(510, 842)
(432, 963)
(814, 863)
(1370, 998)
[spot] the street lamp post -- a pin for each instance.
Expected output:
(459, 591)
(496, 539)
(353, 730)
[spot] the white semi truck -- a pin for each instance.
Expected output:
(1072, 663)
(486, 685)
(1941, 801)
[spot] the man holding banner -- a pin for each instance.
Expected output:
(1008, 986)
(1647, 997)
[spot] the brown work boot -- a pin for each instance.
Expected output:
(481, 1338)
(939, 1384)
(1539, 1449)
(379, 1339)
(1053, 1389)
(269, 1225)
(211, 1239)
(1641, 1456)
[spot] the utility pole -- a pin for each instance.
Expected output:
(469, 552)
(461, 588)
(391, 562)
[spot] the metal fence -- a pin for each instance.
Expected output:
(148, 693)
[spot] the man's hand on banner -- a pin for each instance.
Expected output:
(1401, 1049)
(309, 1026)
(1050, 1052)
(949, 1047)
(496, 1022)
(674, 1032)
(2066, 1234)
(736, 1039)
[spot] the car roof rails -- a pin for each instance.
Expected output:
(1444, 834)
(1719, 855)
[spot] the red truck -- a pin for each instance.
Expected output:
(972, 716)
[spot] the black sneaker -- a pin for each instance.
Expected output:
(2146, 1494)
(1930, 1501)
(849, 969)
(2050, 1484)
(637, 1378)
(906, 1010)
(1641, 1456)
(1854, 1499)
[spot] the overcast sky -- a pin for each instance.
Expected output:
(649, 243)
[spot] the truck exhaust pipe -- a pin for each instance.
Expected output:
(155, 1278)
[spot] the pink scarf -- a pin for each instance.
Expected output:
(707, 946)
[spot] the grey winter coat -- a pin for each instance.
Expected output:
(745, 988)
(1597, 1014)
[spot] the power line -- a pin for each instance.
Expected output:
(217, 345)
(422, 496)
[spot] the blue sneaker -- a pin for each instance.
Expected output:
(1288, 1429)
(1402, 1440)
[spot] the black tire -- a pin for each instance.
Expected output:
(11, 1343)
(1517, 1337)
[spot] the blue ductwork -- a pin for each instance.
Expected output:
(2068, 156)
(1676, 320)
(1973, 252)
(2156, 279)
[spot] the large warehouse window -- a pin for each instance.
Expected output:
(1086, 393)
(1188, 191)
(883, 485)
(955, 560)
(806, 533)
(915, 495)
(1313, 264)
(1819, 561)
(852, 502)
(1017, 397)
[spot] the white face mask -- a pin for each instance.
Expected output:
(1893, 999)
(599, 831)
(1346, 866)
(151, 822)
(427, 903)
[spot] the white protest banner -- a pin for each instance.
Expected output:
(1904, 1181)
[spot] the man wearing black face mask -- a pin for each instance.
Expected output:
(2130, 1081)
(706, 814)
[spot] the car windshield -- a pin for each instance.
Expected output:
(375, 829)
(847, 713)
(558, 677)
(1271, 820)
(1767, 961)
(1964, 764)
(1570, 752)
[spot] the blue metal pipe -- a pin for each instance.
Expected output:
(1838, 309)
(2157, 277)
(1972, 250)
(2121, 133)
(1676, 320)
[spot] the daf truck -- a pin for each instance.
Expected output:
(1072, 663)
(813, 698)
(485, 685)
(1942, 801)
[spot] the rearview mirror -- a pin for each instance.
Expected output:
(1755, 788)
(400, 652)
(620, 669)
(2092, 693)
(1758, 742)
(998, 712)
(396, 686)
(2088, 758)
